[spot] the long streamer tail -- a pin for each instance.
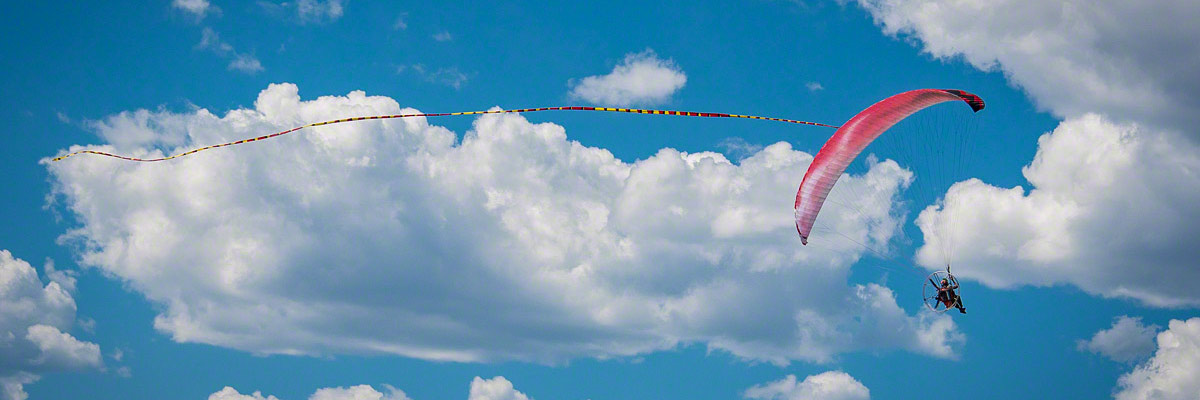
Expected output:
(522, 110)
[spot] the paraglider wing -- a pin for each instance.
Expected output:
(854, 136)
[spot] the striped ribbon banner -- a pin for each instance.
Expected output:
(522, 110)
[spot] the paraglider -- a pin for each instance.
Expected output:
(941, 291)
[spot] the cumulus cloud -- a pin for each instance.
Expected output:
(496, 388)
(229, 393)
(1127, 341)
(1173, 372)
(1127, 60)
(359, 392)
(1111, 211)
(513, 243)
(12, 387)
(831, 385)
(642, 78)
(58, 348)
(33, 318)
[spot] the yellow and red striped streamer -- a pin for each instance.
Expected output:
(522, 110)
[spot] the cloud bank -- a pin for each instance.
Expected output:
(513, 243)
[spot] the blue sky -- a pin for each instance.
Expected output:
(591, 255)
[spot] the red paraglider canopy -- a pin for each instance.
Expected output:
(854, 136)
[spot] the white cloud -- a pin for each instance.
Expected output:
(401, 22)
(1127, 60)
(360, 392)
(496, 388)
(211, 40)
(1173, 372)
(443, 36)
(61, 349)
(64, 278)
(12, 387)
(197, 8)
(87, 324)
(512, 243)
(229, 393)
(1111, 212)
(245, 63)
(319, 11)
(1127, 341)
(814, 86)
(831, 385)
(642, 78)
(129, 130)
(32, 320)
